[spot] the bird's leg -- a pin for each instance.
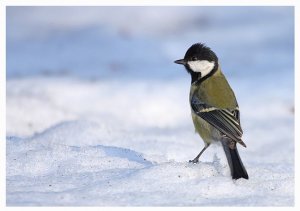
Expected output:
(196, 159)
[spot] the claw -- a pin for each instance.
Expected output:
(194, 161)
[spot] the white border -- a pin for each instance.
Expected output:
(4, 3)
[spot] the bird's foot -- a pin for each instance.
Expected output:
(194, 161)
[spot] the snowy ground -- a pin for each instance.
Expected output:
(112, 127)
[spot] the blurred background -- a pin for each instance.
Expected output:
(138, 45)
(116, 65)
(143, 42)
(69, 63)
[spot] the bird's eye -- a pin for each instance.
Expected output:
(194, 58)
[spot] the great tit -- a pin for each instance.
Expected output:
(215, 111)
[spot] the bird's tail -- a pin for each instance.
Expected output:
(235, 163)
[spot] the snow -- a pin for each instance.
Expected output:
(98, 113)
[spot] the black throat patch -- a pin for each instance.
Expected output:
(197, 78)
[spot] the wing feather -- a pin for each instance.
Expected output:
(225, 120)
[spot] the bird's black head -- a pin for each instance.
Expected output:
(200, 61)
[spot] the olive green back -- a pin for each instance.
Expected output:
(215, 91)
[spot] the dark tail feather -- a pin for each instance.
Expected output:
(235, 163)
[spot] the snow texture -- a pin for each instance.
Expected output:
(98, 113)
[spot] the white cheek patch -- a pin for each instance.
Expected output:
(204, 67)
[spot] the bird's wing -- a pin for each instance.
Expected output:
(225, 120)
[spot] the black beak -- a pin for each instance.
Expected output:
(180, 61)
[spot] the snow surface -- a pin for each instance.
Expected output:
(98, 114)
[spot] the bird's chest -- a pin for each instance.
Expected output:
(214, 92)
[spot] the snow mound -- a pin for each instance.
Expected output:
(61, 166)
(55, 151)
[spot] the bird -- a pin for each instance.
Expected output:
(214, 108)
